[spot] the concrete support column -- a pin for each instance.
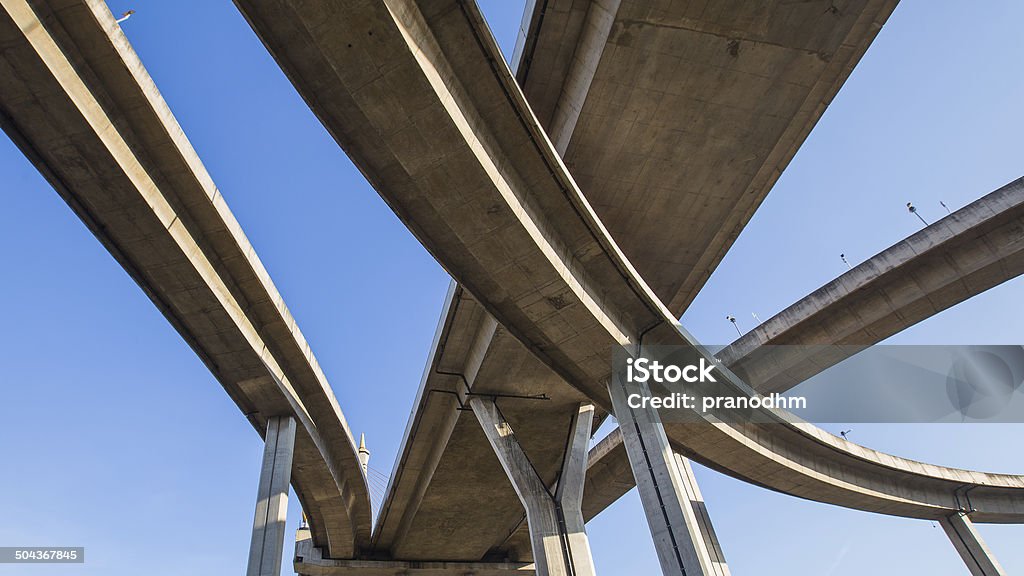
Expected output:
(681, 544)
(700, 512)
(266, 549)
(569, 492)
(972, 548)
(557, 532)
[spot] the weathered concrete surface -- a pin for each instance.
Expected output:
(974, 249)
(76, 100)
(691, 113)
(420, 99)
(266, 549)
(968, 543)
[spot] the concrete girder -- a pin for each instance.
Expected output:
(309, 561)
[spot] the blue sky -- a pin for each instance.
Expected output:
(119, 440)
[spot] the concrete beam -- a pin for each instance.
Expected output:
(576, 86)
(266, 548)
(461, 343)
(310, 562)
(955, 258)
(664, 492)
(970, 546)
(448, 357)
(557, 533)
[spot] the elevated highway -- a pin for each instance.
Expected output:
(641, 75)
(420, 98)
(77, 101)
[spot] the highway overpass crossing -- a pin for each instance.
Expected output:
(420, 98)
(466, 165)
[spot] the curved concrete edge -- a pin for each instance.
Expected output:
(461, 340)
(99, 131)
(967, 252)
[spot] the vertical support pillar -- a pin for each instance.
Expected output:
(557, 534)
(266, 549)
(700, 512)
(972, 548)
(569, 492)
(681, 546)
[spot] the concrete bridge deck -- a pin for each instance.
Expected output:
(676, 118)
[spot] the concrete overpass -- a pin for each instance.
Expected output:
(516, 231)
(563, 45)
(465, 164)
(77, 101)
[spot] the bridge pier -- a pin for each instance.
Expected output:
(970, 546)
(700, 512)
(266, 549)
(557, 532)
(683, 536)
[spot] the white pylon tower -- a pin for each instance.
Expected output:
(364, 454)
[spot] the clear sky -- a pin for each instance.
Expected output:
(116, 437)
